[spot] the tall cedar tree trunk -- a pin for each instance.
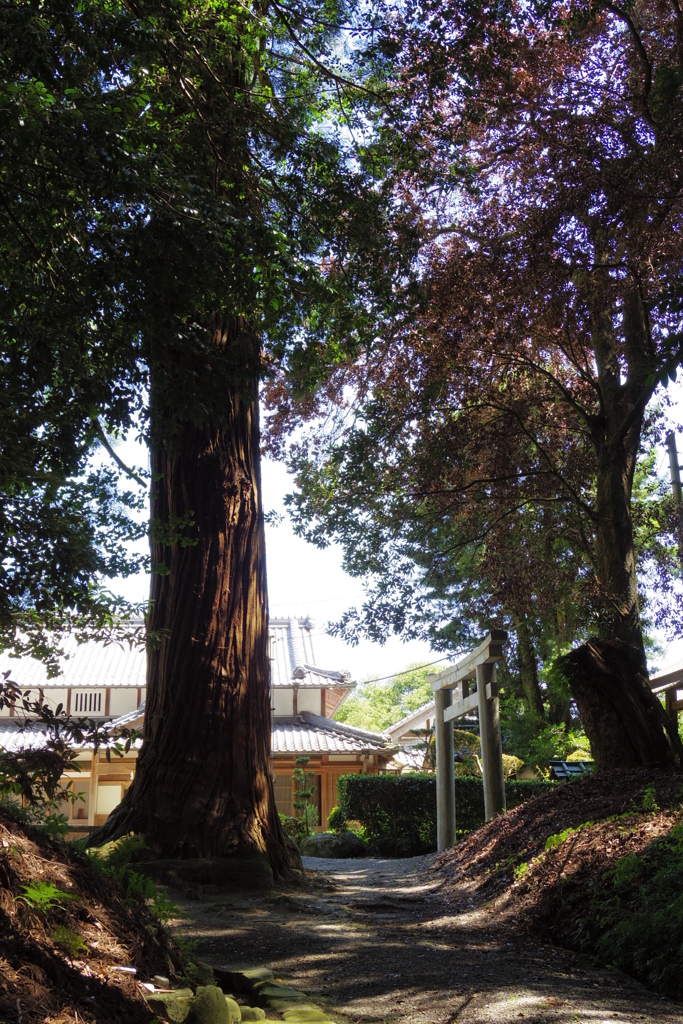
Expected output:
(203, 786)
(624, 721)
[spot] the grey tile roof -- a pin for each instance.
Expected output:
(305, 734)
(308, 733)
(123, 721)
(293, 658)
(93, 664)
(90, 664)
(13, 739)
(34, 735)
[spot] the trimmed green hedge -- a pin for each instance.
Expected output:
(398, 812)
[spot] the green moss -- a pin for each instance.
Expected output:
(633, 916)
(209, 1007)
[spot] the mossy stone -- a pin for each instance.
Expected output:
(280, 1005)
(243, 981)
(209, 1006)
(173, 1005)
(311, 1013)
(203, 973)
(250, 1013)
(275, 991)
(323, 1019)
(235, 1008)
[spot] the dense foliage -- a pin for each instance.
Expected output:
(398, 812)
(376, 705)
(163, 166)
(483, 469)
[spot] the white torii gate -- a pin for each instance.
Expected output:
(479, 666)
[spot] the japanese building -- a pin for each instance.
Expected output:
(109, 683)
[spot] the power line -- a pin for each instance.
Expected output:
(416, 668)
(339, 599)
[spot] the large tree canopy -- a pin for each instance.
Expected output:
(504, 421)
(161, 163)
(187, 203)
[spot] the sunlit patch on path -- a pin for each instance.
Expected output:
(383, 942)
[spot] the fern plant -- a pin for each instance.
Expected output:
(44, 896)
(70, 942)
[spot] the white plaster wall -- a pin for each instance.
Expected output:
(122, 700)
(309, 700)
(108, 797)
(283, 702)
(79, 809)
(55, 696)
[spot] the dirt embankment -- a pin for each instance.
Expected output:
(596, 866)
(65, 933)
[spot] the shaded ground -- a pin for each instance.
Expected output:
(387, 941)
(63, 942)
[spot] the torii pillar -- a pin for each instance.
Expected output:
(445, 774)
(479, 664)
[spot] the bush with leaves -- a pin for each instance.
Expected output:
(336, 821)
(398, 812)
(295, 828)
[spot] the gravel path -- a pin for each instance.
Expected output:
(383, 943)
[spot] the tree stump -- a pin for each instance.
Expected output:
(624, 721)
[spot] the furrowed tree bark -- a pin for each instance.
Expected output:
(624, 721)
(203, 786)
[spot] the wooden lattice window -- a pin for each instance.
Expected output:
(87, 702)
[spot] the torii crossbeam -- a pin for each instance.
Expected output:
(472, 682)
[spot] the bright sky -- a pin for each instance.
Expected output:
(303, 580)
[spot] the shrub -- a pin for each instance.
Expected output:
(336, 822)
(295, 828)
(398, 812)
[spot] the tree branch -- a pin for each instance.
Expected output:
(104, 441)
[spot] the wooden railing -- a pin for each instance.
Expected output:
(670, 684)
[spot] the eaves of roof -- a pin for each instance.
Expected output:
(312, 734)
(409, 719)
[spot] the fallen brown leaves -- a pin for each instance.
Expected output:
(39, 980)
(506, 864)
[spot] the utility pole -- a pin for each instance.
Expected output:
(676, 487)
